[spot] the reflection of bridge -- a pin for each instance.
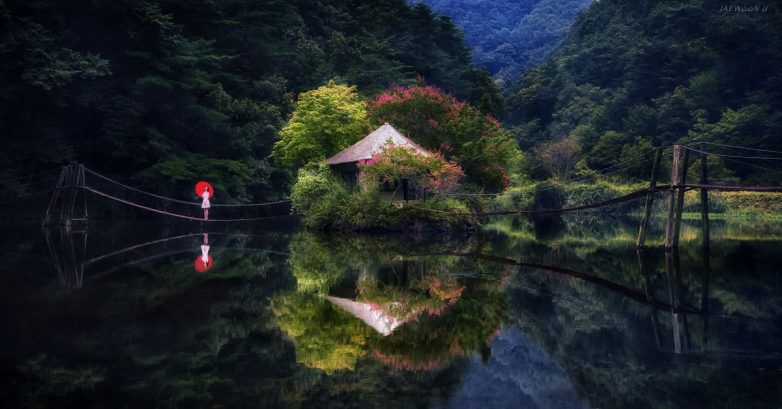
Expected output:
(675, 305)
(69, 253)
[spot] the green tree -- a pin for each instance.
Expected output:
(326, 120)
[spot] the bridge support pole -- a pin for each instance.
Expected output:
(641, 240)
(68, 204)
(677, 226)
(704, 200)
(672, 199)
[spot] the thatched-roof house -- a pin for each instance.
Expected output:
(345, 163)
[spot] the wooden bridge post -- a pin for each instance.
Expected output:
(641, 240)
(65, 201)
(47, 217)
(704, 200)
(677, 226)
(672, 200)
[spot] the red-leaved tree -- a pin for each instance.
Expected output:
(439, 122)
(396, 163)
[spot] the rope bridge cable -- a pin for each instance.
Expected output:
(753, 165)
(619, 199)
(553, 187)
(722, 150)
(738, 147)
(733, 158)
(610, 285)
(722, 155)
(570, 180)
(171, 199)
(736, 188)
(181, 216)
(176, 251)
(138, 246)
(170, 239)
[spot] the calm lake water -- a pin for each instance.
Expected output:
(524, 314)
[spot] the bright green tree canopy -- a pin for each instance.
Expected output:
(326, 120)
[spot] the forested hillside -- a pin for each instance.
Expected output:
(633, 75)
(163, 92)
(510, 36)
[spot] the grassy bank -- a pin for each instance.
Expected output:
(551, 194)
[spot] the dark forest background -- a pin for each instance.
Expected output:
(631, 75)
(163, 92)
(168, 91)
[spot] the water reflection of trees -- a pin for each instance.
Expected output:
(156, 326)
(691, 329)
(443, 306)
(185, 338)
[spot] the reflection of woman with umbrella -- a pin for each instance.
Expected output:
(204, 261)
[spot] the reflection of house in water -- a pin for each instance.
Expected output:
(405, 273)
(372, 314)
(345, 163)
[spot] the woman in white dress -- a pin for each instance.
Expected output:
(205, 203)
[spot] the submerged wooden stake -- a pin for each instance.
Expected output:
(641, 240)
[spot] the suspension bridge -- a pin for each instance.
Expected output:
(76, 185)
(69, 201)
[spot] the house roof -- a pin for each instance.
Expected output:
(373, 143)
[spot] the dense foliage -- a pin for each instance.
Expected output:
(439, 121)
(325, 202)
(508, 37)
(631, 76)
(326, 120)
(167, 91)
(395, 163)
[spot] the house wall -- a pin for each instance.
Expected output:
(405, 190)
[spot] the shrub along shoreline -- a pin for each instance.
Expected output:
(326, 203)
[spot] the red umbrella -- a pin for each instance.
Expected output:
(202, 267)
(200, 186)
